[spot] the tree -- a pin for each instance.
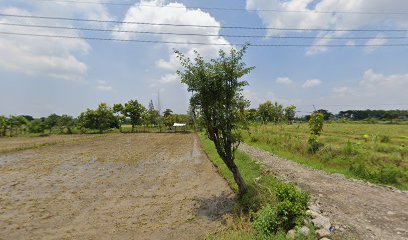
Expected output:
(3, 126)
(271, 112)
(265, 111)
(167, 112)
(135, 111)
(316, 127)
(153, 116)
(290, 112)
(326, 114)
(52, 121)
(37, 126)
(67, 122)
(217, 94)
(118, 109)
(101, 119)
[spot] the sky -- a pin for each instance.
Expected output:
(44, 75)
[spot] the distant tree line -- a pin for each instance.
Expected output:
(101, 119)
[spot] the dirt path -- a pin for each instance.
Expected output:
(367, 211)
(128, 186)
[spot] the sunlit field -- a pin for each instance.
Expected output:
(373, 152)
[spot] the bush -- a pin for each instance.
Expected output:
(289, 212)
(266, 221)
(314, 145)
(391, 175)
(292, 205)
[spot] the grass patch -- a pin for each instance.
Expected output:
(372, 152)
(270, 207)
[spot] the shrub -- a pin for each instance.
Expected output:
(266, 221)
(314, 145)
(292, 205)
(391, 175)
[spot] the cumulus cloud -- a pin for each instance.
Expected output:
(311, 83)
(284, 81)
(177, 13)
(50, 57)
(302, 14)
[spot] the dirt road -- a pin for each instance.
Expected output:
(367, 211)
(127, 186)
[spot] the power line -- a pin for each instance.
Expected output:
(201, 26)
(201, 43)
(228, 9)
(198, 34)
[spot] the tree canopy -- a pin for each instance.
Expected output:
(217, 95)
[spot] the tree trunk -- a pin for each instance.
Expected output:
(239, 180)
(133, 127)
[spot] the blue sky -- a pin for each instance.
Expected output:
(40, 76)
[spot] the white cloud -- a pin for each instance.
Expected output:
(375, 90)
(311, 83)
(103, 86)
(378, 41)
(284, 81)
(50, 57)
(169, 78)
(176, 13)
(302, 14)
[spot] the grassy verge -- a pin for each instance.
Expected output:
(373, 152)
(264, 191)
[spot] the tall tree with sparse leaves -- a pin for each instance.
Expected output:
(217, 95)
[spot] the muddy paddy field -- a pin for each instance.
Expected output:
(117, 186)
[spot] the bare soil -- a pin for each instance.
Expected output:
(127, 186)
(365, 211)
(12, 144)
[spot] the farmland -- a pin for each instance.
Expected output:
(373, 152)
(113, 186)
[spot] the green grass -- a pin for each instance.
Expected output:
(262, 185)
(373, 152)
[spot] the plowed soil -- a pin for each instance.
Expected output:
(124, 186)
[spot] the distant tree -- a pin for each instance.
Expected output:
(290, 112)
(3, 126)
(101, 119)
(152, 116)
(118, 109)
(28, 117)
(251, 114)
(265, 111)
(270, 112)
(52, 121)
(326, 114)
(217, 95)
(167, 112)
(66, 122)
(37, 126)
(135, 111)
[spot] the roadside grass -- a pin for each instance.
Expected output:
(264, 189)
(374, 152)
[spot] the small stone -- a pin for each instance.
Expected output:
(304, 231)
(321, 222)
(314, 208)
(313, 213)
(291, 235)
(321, 233)
(325, 238)
(390, 213)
